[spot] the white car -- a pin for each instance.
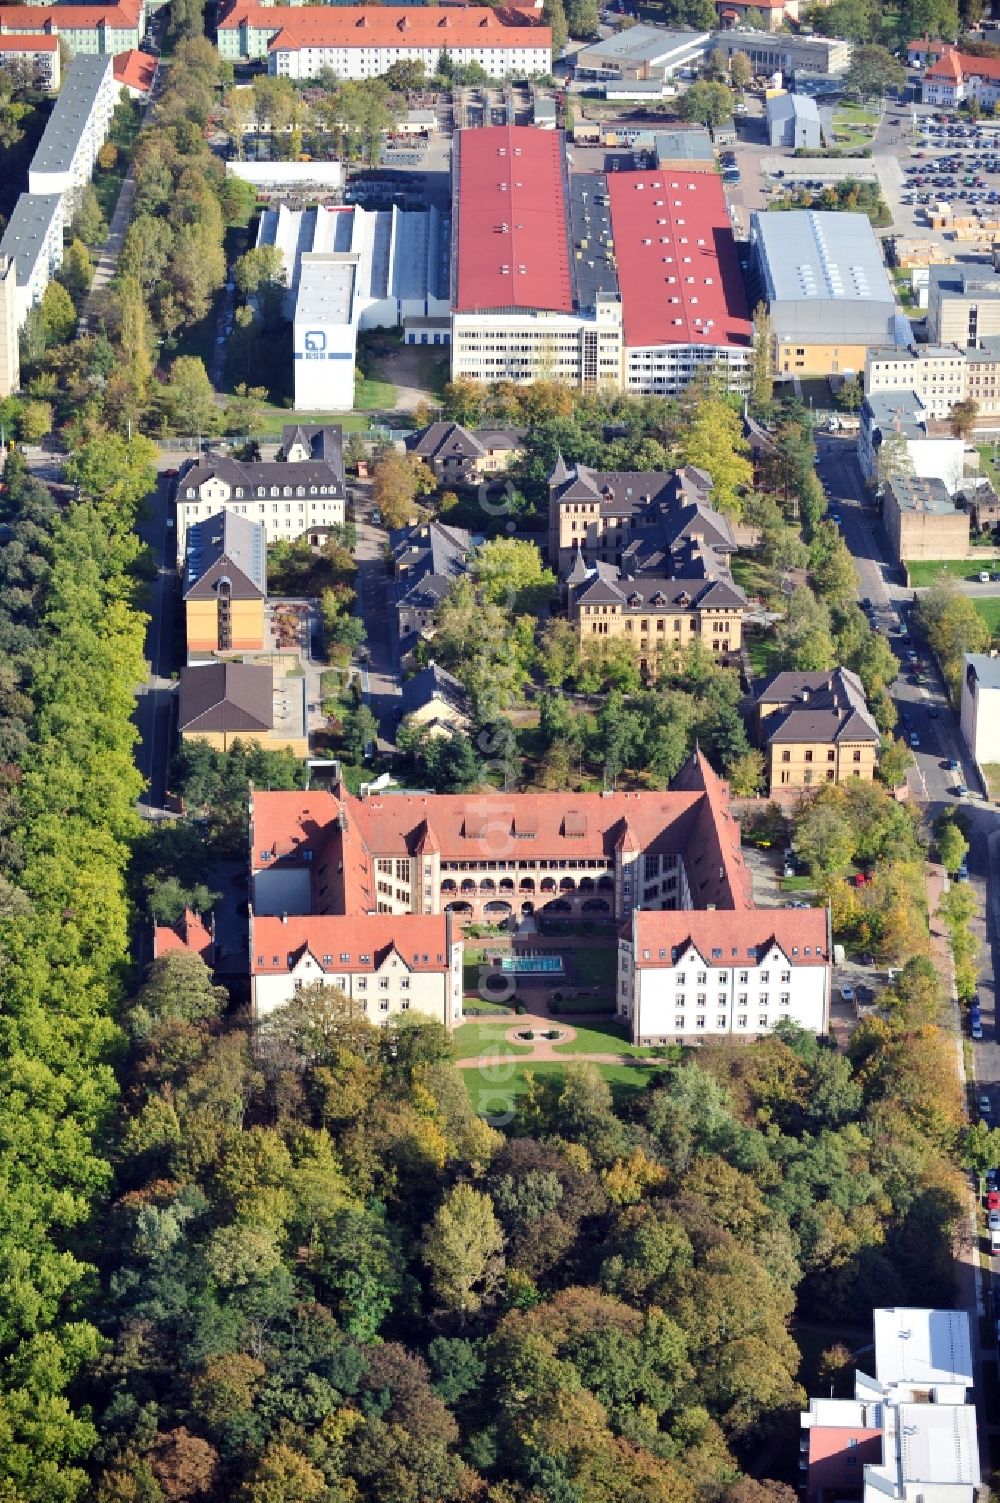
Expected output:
(993, 1221)
(847, 993)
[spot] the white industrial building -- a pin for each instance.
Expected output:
(890, 414)
(77, 127)
(980, 715)
(685, 976)
(909, 1433)
(347, 269)
(793, 120)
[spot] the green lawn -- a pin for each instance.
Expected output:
(991, 772)
(374, 396)
(924, 571)
(494, 1092)
(487, 1037)
(797, 884)
(275, 418)
(853, 125)
(108, 181)
(990, 611)
(603, 1038)
(987, 464)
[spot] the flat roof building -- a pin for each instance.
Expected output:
(33, 239)
(827, 290)
(785, 53)
(683, 299)
(980, 711)
(642, 52)
(77, 128)
(908, 1433)
(921, 519)
(963, 304)
(349, 268)
(622, 280)
(690, 149)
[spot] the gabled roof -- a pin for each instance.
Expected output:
(799, 935)
(123, 16)
(228, 546)
(321, 440)
(349, 943)
(429, 557)
(443, 441)
(229, 697)
(434, 682)
(189, 936)
(135, 70)
(321, 472)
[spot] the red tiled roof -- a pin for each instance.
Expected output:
(741, 936)
(513, 250)
(954, 66)
(29, 43)
(277, 944)
(678, 269)
(123, 16)
(391, 26)
(189, 936)
(135, 69)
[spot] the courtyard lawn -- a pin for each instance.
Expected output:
(486, 1037)
(853, 125)
(494, 1092)
(991, 772)
(602, 1038)
(924, 571)
(764, 653)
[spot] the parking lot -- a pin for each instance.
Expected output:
(954, 161)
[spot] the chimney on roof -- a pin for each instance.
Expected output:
(284, 918)
(806, 691)
(342, 819)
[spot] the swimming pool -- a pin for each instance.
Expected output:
(526, 965)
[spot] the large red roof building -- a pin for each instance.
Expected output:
(369, 894)
(621, 281)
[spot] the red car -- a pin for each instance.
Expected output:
(993, 1200)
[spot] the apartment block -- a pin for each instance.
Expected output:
(963, 305)
(33, 242)
(36, 57)
(936, 373)
(77, 128)
(289, 500)
(10, 366)
(86, 29)
(684, 976)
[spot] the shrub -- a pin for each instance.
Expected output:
(107, 157)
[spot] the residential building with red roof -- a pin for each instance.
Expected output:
(384, 965)
(104, 28)
(36, 53)
(360, 41)
(369, 895)
(925, 51)
(624, 281)
(958, 77)
(135, 71)
(684, 975)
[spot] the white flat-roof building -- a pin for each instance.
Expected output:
(980, 715)
(908, 1434)
(10, 366)
(641, 53)
(33, 239)
(77, 128)
(350, 268)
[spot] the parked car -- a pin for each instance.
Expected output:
(993, 1221)
(985, 1109)
(847, 993)
(976, 1032)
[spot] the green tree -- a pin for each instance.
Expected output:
(740, 70)
(510, 573)
(77, 272)
(463, 1250)
(894, 459)
(873, 70)
(88, 223)
(713, 440)
(952, 846)
(189, 398)
(59, 315)
(35, 421)
(708, 103)
(963, 418)
(895, 761)
(762, 354)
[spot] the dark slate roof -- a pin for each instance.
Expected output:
(440, 441)
(322, 440)
(227, 545)
(229, 697)
(760, 441)
(431, 683)
(320, 472)
(828, 706)
(647, 592)
(695, 520)
(430, 549)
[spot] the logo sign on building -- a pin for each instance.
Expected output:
(315, 342)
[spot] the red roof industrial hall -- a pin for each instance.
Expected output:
(513, 247)
(678, 269)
